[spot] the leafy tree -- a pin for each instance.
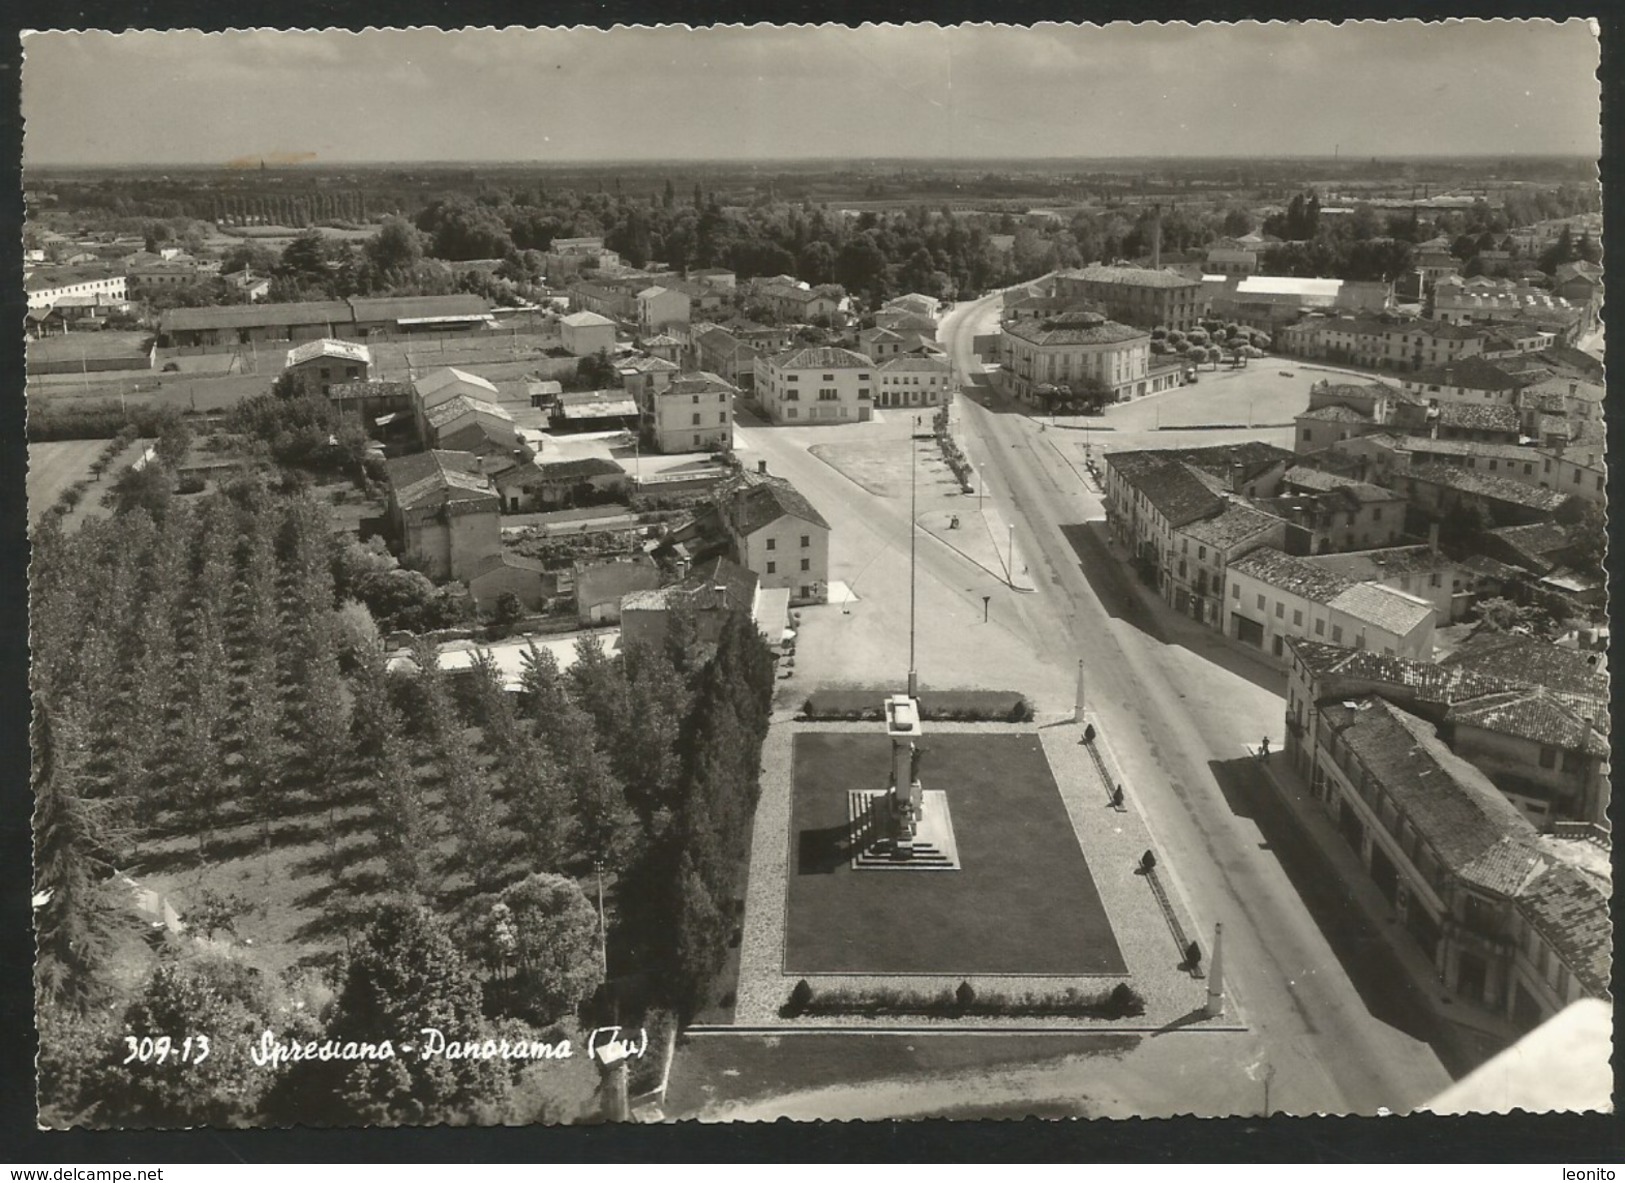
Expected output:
(222, 1000)
(398, 246)
(305, 259)
(148, 488)
(555, 952)
(405, 975)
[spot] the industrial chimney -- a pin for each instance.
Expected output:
(1156, 237)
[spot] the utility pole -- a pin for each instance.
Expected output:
(913, 542)
(1077, 710)
(1010, 565)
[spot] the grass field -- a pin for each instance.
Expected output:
(1022, 902)
(54, 466)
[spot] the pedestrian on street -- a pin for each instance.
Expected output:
(1264, 748)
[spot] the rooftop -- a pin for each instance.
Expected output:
(755, 503)
(1535, 714)
(1173, 489)
(1074, 329)
(1489, 485)
(585, 320)
(1454, 806)
(1232, 525)
(436, 478)
(1335, 413)
(243, 316)
(1530, 661)
(1497, 417)
(1383, 607)
(418, 307)
(826, 357)
(1131, 277)
(328, 347)
(1571, 911)
(1472, 373)
(1276, 568)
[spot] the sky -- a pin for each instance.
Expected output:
(1402, 88)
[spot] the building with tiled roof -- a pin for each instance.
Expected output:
(816, 384)
(1333, 513)
(1440, 488)
(1381, 343)
(372, 398)
(1481, 422)
(776, 532)
(1183, 515)
(1511, 930)
(707, 595)
(585, 333)
(1545, 751)
(314, 366)
(1273, 597)
(443, 511)
(914, 380)
(1567, 911)
(1474, 380)
(687, 412)
(1420, 570)
(1079, 349)
(1138, 296)
(1538, 547)
(1531, 661)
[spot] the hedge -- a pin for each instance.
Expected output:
(952, 706)
(1122, 1001)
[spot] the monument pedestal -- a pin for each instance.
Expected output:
(876, 846)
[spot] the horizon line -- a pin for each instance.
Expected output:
(231, 166)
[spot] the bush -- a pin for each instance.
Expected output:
(1125, 1001)
(960, 706)
(1121, 1002)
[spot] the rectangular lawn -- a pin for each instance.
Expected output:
(1022, 901)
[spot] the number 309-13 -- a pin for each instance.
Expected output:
(146, 1049)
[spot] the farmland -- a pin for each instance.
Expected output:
(55, 467)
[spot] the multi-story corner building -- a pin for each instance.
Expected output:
(1137, 296)
(1274, 597)
(687, 413)
(817, 384)
(1078, 348)
(774, 531)
(914, 380)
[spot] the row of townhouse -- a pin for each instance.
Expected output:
(1250, 542)
(1380, 343)
(1509, 921)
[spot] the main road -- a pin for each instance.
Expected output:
(1182, 710)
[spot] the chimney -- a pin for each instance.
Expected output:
(1238, 476)
(761, 466)
(1156, 237)
(1433, 537)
